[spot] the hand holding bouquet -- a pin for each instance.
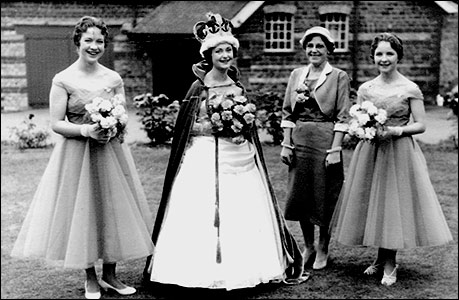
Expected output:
(367, 120)
(109, 114)
(231, 116)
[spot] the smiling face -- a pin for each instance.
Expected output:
(222, 56)
(385, 57)
(316, 51)
(92, 45)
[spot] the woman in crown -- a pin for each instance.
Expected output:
(219, 225)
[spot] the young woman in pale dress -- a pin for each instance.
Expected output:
(218, 224)
(90, 205)
(388, 200)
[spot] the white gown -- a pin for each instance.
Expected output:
(186, 250)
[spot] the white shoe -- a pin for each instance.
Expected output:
(390, 279)
(320, 261)
(124, 291)
(89, 295)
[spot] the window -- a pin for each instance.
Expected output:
(336, 19)
(278, 30)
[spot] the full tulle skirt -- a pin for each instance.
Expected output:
(186, 250)
(89, 206)
(388, 199)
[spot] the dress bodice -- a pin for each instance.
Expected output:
(395, 99)
(80, 94)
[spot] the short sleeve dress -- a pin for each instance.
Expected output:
(388, 199)
(90, 203)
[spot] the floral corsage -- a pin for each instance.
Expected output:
(303, 93)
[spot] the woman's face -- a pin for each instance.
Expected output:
(316, 51)
(92, 45)
(222, 56)
(385, 57)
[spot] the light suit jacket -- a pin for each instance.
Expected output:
(331, 93)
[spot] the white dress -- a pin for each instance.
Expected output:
(251, 250)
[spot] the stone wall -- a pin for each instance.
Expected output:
(131, 65)
(418, 24)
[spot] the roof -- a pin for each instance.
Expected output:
(448, 6)
(179, 17)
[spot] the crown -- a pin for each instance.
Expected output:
(214, 31)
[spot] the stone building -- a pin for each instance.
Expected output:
(153, 47)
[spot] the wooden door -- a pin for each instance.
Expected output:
(49, 50)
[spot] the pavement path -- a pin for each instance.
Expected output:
(438, 126)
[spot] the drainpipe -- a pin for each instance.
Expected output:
(355, 44)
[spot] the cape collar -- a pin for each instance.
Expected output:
(202, 68)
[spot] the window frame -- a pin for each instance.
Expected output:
(283, 15)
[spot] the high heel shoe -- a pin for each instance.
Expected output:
(391, 278)
(124, 291)
(89, 295)
(307, 255)
(320, 262)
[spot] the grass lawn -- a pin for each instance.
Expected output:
(424, 272)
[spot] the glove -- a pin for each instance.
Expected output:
(95, 132)
(333, 158)
(286, 155)
(390, 131)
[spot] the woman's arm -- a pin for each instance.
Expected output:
(58, 106)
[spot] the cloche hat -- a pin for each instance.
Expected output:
(320, 31)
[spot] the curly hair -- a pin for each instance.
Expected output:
(87, 22)
(394, 41)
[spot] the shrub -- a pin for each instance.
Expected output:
(269, 113)
(27, 135)
(158, 116)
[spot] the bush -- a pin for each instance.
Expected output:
(269, 113)
(158, 116)
(27, 135)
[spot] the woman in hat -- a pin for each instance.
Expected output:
(219, 225)
(314, 120)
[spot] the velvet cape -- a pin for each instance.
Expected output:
(185, 119)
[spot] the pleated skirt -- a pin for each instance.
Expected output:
(388, 199)
(89, 206)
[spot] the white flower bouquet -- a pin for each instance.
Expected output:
(231, 116)
(109, 114)
(367, 120)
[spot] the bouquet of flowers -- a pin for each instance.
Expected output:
(303, 93)
(366, 120)
(231, 116)
(109, 114)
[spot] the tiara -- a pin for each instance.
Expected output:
(213, 31)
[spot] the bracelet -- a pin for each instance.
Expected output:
(287, 146)
(335, 149)
(84, 130)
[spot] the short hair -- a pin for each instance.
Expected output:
(87, 22)
(330, 46)
(394, 41)
(207, 54)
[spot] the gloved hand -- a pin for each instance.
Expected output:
(95, 132)
(390, 132)
(333, 158)
(286, 155)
